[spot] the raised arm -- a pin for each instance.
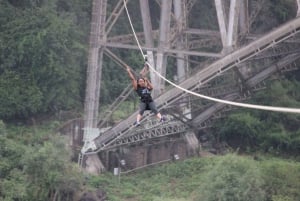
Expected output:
(145, 70)
(131, 76)
(148, 83)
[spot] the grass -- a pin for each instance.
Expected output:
(186, 180)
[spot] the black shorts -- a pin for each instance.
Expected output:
(147, 106)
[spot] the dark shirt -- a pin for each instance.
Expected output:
(144, 94)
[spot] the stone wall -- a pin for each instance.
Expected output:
(144, 154)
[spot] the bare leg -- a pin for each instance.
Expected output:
(138, 118)
(158, 115)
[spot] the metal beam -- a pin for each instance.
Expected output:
(298, 5)
(148, 33)
(222, 22)
(115, 14)
(161, 57)
(180, 19)
(233, 23)
(192, 53)
(94, 70)
(269, 40)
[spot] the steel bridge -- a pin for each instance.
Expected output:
(239, 64)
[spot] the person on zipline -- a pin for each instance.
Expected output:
(143, 87)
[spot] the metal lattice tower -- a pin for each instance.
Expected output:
(231, 46)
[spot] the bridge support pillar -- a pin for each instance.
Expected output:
(93, 165)
(193, 145)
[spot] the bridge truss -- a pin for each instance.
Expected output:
(225, 59)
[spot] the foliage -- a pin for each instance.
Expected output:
(204, 12)
(125, 109)
(282, 179)
(47, 171)
(34, 166)
(229, 177)
(171, 181)
(2, 128)
(23, 99)
(241, 130)
(282, 9)
(32, 169)
(232, 179)
(269, 131)
(11, 153)
(42, 59)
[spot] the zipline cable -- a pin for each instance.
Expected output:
(245, 105)
(131, 25)
(261, 107)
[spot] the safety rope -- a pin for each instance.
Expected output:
(131, 25)
(245, 105)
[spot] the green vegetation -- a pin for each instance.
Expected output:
(226, 178)
(43, 54)
(35, 165)
(272, 132)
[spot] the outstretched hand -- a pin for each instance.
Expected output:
(145, 70)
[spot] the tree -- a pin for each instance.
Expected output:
(38, 171)
(240, 130)
(49, 171)
(266, 130)
(44, 53)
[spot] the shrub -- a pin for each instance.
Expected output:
(233, 178)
